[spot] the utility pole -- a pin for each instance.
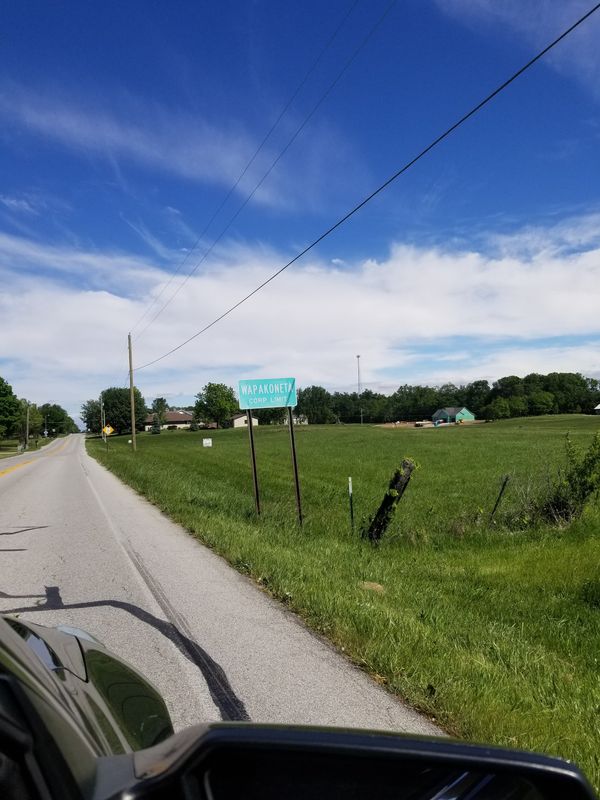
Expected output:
(27, 428)
(131, 395)
(359, 387)
(103, 422)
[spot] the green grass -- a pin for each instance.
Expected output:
(494, 633)
(8, 447)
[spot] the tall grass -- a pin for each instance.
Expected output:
(495, 633)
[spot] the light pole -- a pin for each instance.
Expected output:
(359, 386)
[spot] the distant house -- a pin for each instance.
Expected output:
(240, 421)
(597, 409)
(453, 414)
(174, 420)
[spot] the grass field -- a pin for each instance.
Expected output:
(9, 447)
(495, 633)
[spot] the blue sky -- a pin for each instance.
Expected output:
(124, 126)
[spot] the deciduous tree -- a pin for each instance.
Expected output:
(497, 409)
(57, 420)
(215, 403)
(31, 421)
(159, 409)
(450, 395)
(477, 395)
(315, 403)
(117, 409)
(510, 386)
(518, 406)
(270, 416)
(541, 402)
(90, 414)
(10, 410)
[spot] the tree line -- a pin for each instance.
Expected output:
(16, 413)
(511, 396)
(215, 403)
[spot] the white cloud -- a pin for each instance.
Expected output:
(188, 146)
(419, 315)
(22, 261)
(177, 223)
(568, 235)
(538, 24)
(18, 204)
(153, 242)
(170, 141)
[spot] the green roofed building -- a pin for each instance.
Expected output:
(453, 414)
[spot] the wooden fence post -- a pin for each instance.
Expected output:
(392, 497)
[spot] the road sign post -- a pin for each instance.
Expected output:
(253, 460)
(107, 430)
(295, 466)
(270, 393)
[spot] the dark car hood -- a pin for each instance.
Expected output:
(118, 707)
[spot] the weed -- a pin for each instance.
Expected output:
(577, 482)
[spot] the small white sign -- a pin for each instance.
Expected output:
(206, 442)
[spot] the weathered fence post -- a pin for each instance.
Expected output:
(396, 489)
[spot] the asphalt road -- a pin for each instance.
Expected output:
(78, 547)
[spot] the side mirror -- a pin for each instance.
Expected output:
(242, 760)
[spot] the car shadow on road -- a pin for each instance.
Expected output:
(221, 691)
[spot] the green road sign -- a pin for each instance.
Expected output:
(268, 393)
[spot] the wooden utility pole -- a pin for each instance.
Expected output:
(27, 428)
(131, 395)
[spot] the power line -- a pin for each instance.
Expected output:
(266, 137)
(275, 162)
(383, 186)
